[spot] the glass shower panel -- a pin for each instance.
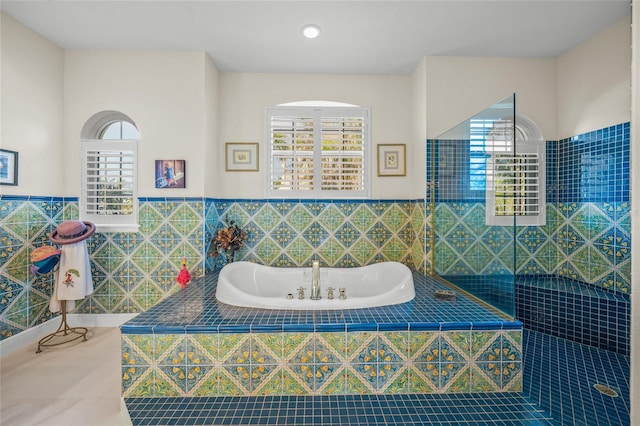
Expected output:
(469, 249)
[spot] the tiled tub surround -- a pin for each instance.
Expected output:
(134, 271)
(340, 233)
(192, 345)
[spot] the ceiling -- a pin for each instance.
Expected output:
(358, 37)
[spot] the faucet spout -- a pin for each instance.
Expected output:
(315, 280)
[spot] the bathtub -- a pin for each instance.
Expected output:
(252, 285)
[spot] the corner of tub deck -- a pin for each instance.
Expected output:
(136, 329)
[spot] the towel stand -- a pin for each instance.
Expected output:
(63, 331)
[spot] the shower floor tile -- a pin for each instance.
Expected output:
(560, 376)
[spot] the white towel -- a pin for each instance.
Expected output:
(74, 280)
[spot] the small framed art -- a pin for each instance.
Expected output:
(241, 157)
(170, 174)
(8, 167)
(392, 160)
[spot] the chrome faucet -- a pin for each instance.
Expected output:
(315, 281)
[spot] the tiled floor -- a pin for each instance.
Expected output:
(79, 384)
(463, 409)
(560, 376)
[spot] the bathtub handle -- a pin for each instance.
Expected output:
(300, 292)
(342, 295)
(330, 293)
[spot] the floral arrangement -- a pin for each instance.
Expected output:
(228, 240)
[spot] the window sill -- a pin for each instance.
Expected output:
(106, 228)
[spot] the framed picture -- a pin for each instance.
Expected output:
(392, 160)
(8, 167)
(241, 157)
(170, 174)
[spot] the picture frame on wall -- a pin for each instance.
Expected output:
(241, 157)
(8, 167)
(170, 174)
(392, 160)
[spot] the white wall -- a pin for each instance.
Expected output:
(594, 82)
(163, 92)
(31, 108)
(459, 87)
(211, 93)
(244, 98)
(419, 128)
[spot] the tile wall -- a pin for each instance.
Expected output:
(133, 271)
(321, 363)
(587, 236)
(337, 233)
(574, 273)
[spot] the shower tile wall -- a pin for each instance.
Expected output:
(587, 233)
(133, 271)
(595, 235)
(574, 273)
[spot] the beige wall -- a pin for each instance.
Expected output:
(31, 110)
(244, 98)
(186, 109)
(459, 87)
(594, 82)
(162, 92)
(419, 98)
(209, 156)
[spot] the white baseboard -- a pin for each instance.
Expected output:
(33, 334)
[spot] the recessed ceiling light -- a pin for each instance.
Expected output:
(311, 31)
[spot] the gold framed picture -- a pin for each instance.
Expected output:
(241, 157)
(392, 160)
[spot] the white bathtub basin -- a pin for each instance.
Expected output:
(257, 286)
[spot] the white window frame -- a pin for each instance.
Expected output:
(109, 219)
(317, 113)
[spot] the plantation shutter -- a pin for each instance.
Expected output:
(515, 184)
(342, 153)
(316, 152)
(109, 195)
(292, 156)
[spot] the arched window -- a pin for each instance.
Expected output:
(119, 130)
(515, 173)
(109, 195)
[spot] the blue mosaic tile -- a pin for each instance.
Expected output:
(460, 409)
(423, 313)
(575, 311)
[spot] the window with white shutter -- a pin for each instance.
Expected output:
(317, 152)
(109, 195)
(515, 178)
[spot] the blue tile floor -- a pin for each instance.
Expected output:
(559, 379)
(560, 375)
